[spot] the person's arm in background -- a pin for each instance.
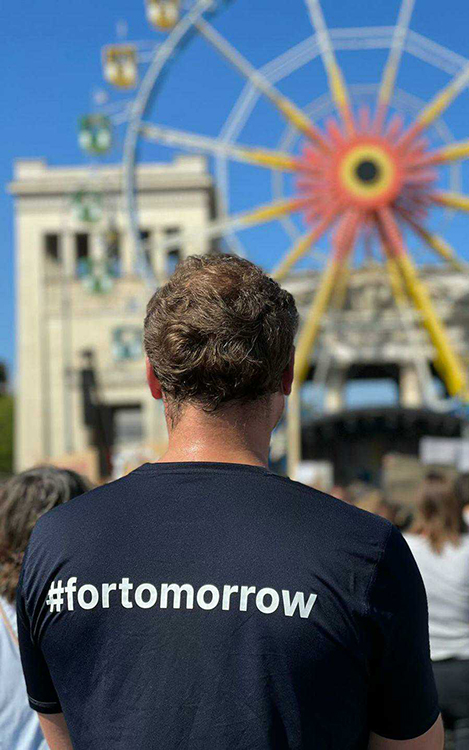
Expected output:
(432, 740)
(404, 711)
(55, 731)
(42, 695)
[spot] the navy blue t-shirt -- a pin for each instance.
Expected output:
(205, 605)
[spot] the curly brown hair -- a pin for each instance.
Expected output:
(23, 500)
(219, 331)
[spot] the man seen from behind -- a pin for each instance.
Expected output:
(205, 603)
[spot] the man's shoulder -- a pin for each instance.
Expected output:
(313, 501)
(90, 505)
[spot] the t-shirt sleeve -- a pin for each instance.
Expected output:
(403, 697)
(42, 695)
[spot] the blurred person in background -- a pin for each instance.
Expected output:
(375, 502)
(23, 500)
(461, 488)
(439, 540)
(340, 491)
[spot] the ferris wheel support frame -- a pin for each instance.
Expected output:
(262, 82)
(136, 114)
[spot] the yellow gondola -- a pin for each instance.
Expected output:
(120, 65)
(163, 14)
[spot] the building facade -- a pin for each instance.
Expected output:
(81, 393)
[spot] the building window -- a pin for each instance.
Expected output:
(173, 259)
(128, 425)
(127, 343)
(145, 239)
(51, 249)
(82, 254)
(173, 232)
(113, 248)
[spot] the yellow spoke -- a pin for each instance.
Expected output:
(194, 142)
(310, 328)
(271, 211)
(328, 285)
(448, 362)
(396, 282)
(454, 152)
(292, 113)
(451, 200)
(303, 246)
(296, 116)
(439, 245)
(266, 158)
(336, 79)
(442, 101)
(340, 291)
(437, 106)
(392, 66)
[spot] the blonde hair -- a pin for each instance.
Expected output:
(439, 514)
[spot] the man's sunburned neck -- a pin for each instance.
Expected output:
(237, 434)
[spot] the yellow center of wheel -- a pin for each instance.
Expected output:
(367, 171)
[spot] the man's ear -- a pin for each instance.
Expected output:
(153, 382)
(287, 377)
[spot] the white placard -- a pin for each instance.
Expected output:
(445, 452)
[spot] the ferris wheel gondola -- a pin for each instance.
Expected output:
(163, 14)
(360, 174)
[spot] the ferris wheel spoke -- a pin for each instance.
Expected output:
(396, 280)
(287, 108)
(257, 216)
(437, 106)
(453, 152)
(193, 142)
(438, 244)
(448, 361)
(451, 200)
(336, 79)
(395, 55)
(344, 242)
(302, 247)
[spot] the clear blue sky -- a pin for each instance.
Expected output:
(50, 63)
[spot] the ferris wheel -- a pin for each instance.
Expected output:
(358, 174)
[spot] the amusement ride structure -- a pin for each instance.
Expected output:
(362, 175)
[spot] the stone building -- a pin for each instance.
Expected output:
(81, 395)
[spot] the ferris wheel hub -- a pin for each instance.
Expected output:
(368, 173)
(366, 170)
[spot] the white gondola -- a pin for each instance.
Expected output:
(95, 134)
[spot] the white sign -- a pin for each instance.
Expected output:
(445, 452)
(318, 474)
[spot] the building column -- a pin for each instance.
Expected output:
(127, 255)
(97, 247)
(410, 395)
(159, 256)
(68, 253)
